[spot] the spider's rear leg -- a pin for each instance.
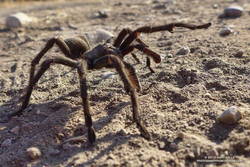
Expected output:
(148, 64)
(136, 58)
(64, 48)
(120, 66)
(81, 68)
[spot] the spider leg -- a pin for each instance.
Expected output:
(119, 65)
(60, 43)
(85, 99)
(130, 71)
(81, 68)
(44, 66)
(136, 58)
(168, 27)
(121, 37)
(155, 56)
(148, 64)
(125, 32)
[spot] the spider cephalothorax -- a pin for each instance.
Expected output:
(80, 56)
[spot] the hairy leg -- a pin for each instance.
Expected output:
(81, 68)
(168, 27)
(155, 56)
(119, 65)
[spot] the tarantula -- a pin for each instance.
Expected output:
(80, 56)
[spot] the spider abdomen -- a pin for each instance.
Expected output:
(77, 46)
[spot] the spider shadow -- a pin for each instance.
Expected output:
(220, 132)
(116, 138)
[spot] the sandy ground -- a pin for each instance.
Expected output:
(179, 112)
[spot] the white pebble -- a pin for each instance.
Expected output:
(99, 36)
(225, 31)
(107, 75)
(18, 20)
(183, 51)
(34, 152)
(230, 116)
(233, 11)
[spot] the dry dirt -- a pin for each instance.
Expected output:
(179, 112)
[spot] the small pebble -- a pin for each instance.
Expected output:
(239, 54)
(233, 11)
(34, 152)
(99, 36)
(183, 51)
(107, 75)
(208, 95)
(161, 145)
(225, 31)
(215, 6)
(2, 127)
(173, 146)
(230, 116)
(123, 132)
(102, 14)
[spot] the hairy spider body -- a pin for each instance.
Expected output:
(80, 56)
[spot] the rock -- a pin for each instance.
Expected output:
(101, 14)
(34, 152)
(2, 127)
(18, 20)
(208, 95)
(161, 145)
(15, 130)
(123, 132)
(99, 36)
(239, 54)
(6, 143)
(233, 11)
(183, 51)
(173, 146)
(107, 75)
(215, 6)
(230, 116)
(225, 31)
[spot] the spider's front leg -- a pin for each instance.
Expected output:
(129, 84)
(85, 99)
